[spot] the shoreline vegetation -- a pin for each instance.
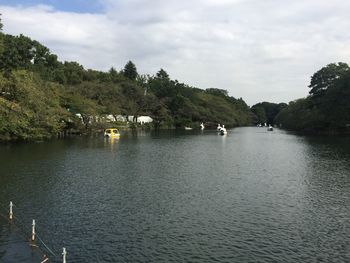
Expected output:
(327, 108)
(42, 98)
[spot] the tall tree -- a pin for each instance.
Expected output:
(130, 71)
(162, 75)
(161, 85)
(113, 74)
(325, 77)
(74, 72)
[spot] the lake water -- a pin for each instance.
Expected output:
(250, 196)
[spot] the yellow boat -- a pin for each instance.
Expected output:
(112, 133)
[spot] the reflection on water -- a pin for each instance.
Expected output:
(111, 143)
(185, 196)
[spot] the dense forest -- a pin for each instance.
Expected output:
(41, 97)
(266, 112)
(327, 108)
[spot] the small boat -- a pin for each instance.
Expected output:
(223, 130)
(202, 126)
(270, 128)
(188, 128)
(219, 127)
(112, 133)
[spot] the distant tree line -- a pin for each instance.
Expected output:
(266, 112)
(327, 108)
(41, 96)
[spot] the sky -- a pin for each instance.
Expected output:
(260, 50)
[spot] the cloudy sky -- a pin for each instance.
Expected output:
(260, 50)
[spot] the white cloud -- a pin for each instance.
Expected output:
(258, 50)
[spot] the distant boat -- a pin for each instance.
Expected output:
(202, 126)
(188, 128)
(219, 127)
(112, 133)
(223, 130)
(270, 128)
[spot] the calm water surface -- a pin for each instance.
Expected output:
(251, 196)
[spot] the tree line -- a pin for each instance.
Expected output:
(41, 96)
(327, 108)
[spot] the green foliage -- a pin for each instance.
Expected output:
(325, 77)
(17, 53)
(73, 72)
(301, 115)
(130, 71)
(327, 109)
(217, 92)
(41, 96)
(266, 112)
(188, 105)
(1, 44)
(113, 75)
(29, 107)
(162, 75)
(260, 114)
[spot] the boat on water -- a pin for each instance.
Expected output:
(202, 126)
(112, 133)
(223, 130)
(188, 128)
(270, 128)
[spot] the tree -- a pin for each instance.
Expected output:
(17, 53)
(260, 114)
(22, 114)
(161, 85)
(142, 81)
(79, 104)
(130, 71)
(113, 74)
(134, 99)
(267, 111)
(162, 75)
(30, 71)
(218, 92)
(325, 77)
(1, 25)
(1, 38)
(74, 72)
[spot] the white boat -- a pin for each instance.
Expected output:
(270, 128)
(202, 126)
(188, 128)
(219, 127)
(223, 130)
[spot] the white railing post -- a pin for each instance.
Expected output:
(64, 255)
(33, 230)
(11, 212)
